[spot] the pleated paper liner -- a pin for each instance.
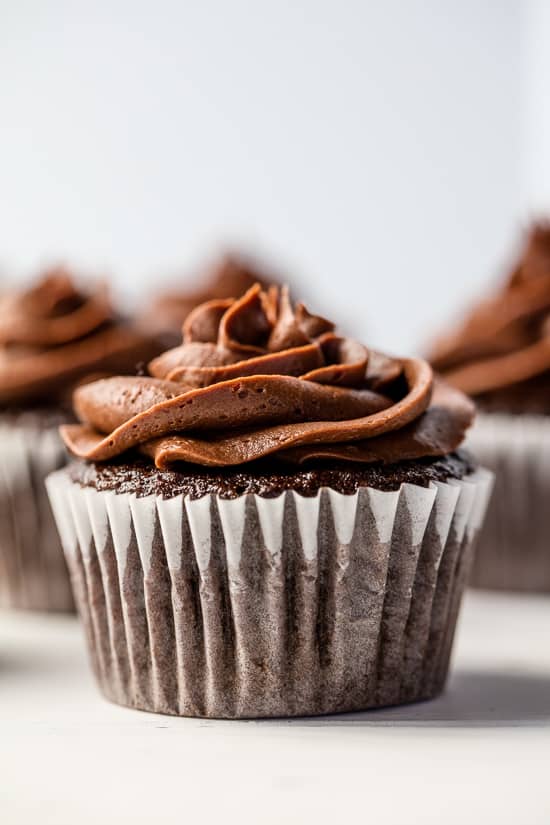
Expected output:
(33, 572)
(258, 607)
(514, 552)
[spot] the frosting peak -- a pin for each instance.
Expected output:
(228, 278)
(53, 333)
(505, 340)
(260, 333)
(258, 376)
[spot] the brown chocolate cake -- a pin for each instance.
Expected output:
(266, 478)
(274, 522)
(500, 356)
(52, 336)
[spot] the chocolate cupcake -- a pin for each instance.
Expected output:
(500, 356)
(51, 336)
(275, 523)
(229, 277)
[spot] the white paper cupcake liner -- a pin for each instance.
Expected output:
(514, 549)
(259, 607)
(33, 572)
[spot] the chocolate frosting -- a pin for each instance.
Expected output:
(256, 377)
(53, 334)
(506, 339)
(229, 277)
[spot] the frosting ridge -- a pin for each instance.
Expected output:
(505, 340)
(258, 376)
(54, 333)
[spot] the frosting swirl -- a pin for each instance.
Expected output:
(505, 341)
(53, 334)
(256, 377)
(229, 277)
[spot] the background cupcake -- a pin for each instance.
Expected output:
(51, 336)
(273, 523)
(500, 356)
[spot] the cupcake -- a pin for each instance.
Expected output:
(229, 277)
(500, 356)
(274, 522)
(51, 336)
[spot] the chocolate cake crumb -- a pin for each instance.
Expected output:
(266, 478)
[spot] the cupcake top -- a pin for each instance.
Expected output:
(53, 334)
(232, 275)
(256, 377)
(500, 354)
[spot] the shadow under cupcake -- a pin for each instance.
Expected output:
(275, 523)
(500, 356)
(51, 336)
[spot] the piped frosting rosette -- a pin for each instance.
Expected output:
(257, 377)
(53, 333)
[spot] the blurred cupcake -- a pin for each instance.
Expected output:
(229, 277)
(275, 523)
(51, 336)
(500, 356)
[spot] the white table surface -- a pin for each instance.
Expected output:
(479, 754)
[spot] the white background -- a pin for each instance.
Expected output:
(385, 153)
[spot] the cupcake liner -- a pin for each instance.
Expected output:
(261, 607)
(33, 572)
(515, 543)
